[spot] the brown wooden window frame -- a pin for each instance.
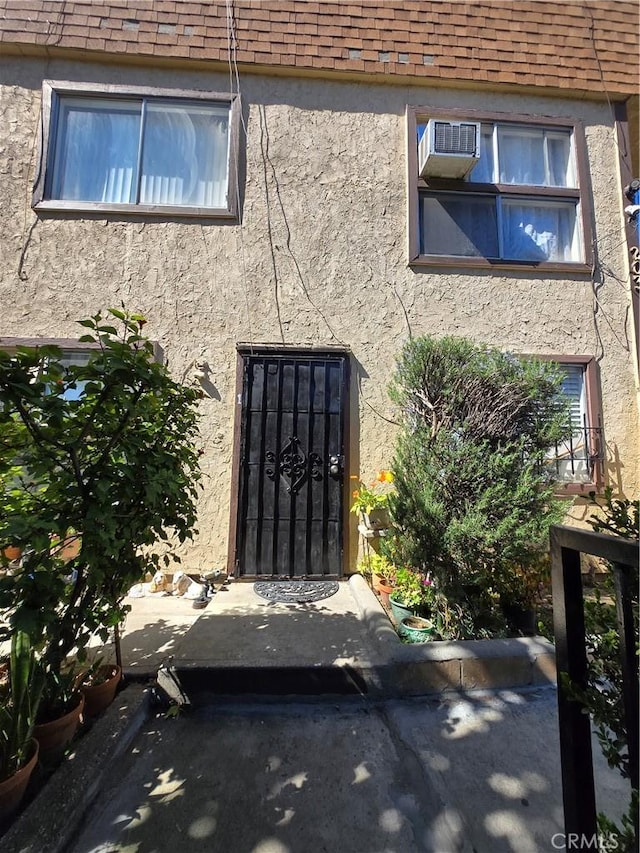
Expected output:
(66, 345)
(419, 188)
(54, 91)
(593, 406)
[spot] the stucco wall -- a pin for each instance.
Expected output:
(321, 257)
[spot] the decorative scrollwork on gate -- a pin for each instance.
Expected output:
(293, 465)
(315, 466)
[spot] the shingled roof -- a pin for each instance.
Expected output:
(590, 46)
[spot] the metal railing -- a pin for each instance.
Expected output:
(567, 543)
(580, 456)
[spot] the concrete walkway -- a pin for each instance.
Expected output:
(377, 765)
(345, 644)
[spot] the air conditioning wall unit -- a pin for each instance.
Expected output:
(448, 149)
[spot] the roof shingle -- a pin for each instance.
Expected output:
(590, 46)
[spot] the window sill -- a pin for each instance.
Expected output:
(430, 261)
(566, 490)
(159, 210)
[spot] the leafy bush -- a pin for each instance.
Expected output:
(106, 449)
(373, 563)
(473, 496)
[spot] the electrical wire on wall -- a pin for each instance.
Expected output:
(272, 254)
(234, 87)
(268, 162)
(600, 271)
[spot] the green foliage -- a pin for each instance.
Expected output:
(373, 563)
(414, 590)
(106, 449)
(618, 515)
(473, 497)
(376, 496)
(19, 705)
(623, 838)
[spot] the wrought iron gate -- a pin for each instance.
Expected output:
(290, 506)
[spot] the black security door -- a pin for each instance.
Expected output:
(291, 465)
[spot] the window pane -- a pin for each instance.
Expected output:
(483, 170)
(570, 458)
(560, 160)
(185, 155)
(573, 388)
(96, 150)
(521, 156)
(540, 231)
(461, 225)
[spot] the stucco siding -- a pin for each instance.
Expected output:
(320, 258)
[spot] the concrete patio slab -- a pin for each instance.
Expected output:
(343, 644)
(240, 627)
(151, 633)
(466, 773)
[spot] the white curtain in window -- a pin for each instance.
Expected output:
(483, 170)
(185, 155)
(521, 157)
(535, 156)
(560, 160)
(539, 231)
(97, 150)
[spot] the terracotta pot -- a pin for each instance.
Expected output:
(97, 697)
(70, 548)
(378, 581)
(54, 737)
(384, 592)
(12, 790)
(12, 552)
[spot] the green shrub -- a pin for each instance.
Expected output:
(107, 449)
(473, 497)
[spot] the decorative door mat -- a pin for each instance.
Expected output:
(295, 592)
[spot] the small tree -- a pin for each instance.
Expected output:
(474, 500)
(104, 451)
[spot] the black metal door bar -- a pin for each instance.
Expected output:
(567, 543)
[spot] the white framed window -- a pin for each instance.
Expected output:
(523, 202)
(578, 461)
(138, 150)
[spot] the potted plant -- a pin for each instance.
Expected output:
(59, 712)
(412, 594)
(378, 568)
(12, 553)
(371, 502)
(20, 695)
(416, 629)
(99, 684)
